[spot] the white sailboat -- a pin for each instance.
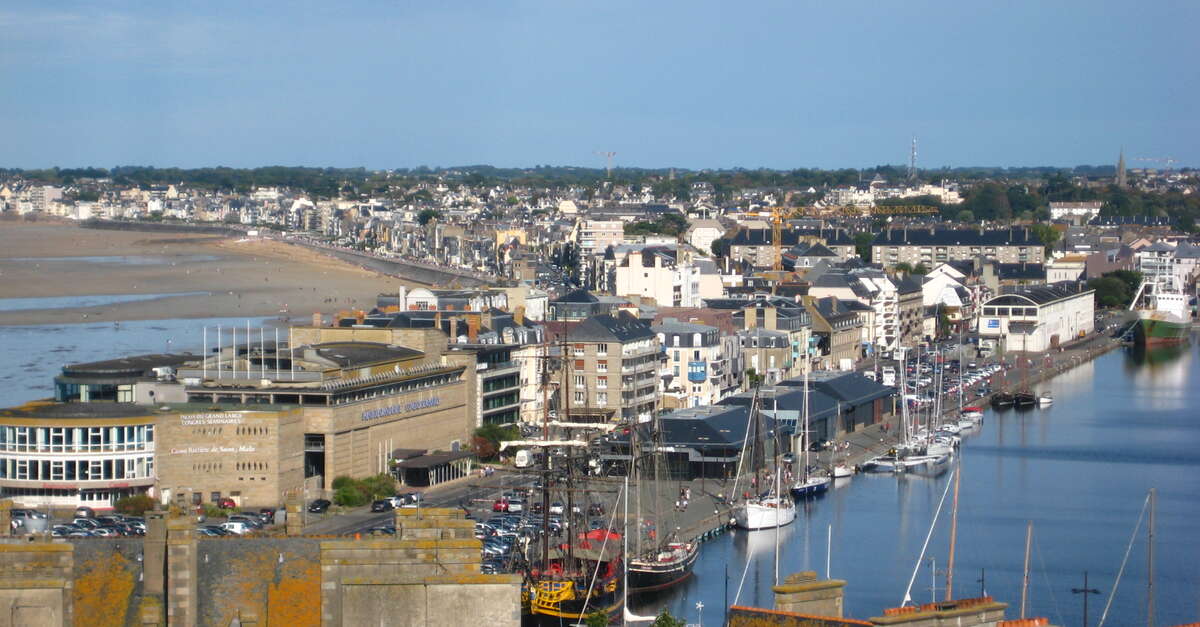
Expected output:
(767, 510)
(808, 484)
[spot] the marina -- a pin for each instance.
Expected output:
(1120, 425)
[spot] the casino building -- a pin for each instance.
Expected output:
(256, 422)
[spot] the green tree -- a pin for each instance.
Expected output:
(720, 247)
(135, 505)
(862, 245)
(966, 216)
(920, 268)
(426, 215)
(904, 267)
(988, 201)
(665, 619)
(1047, 235)
(1110, 291)
(753, 379)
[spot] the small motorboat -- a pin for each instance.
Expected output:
(1002, 399)
(1045, 400)
(842, 471)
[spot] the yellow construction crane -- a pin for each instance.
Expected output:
(777, 235)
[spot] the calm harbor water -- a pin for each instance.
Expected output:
(31, 355)
(1080, 470)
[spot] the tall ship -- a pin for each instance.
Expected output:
(1162, 309)
(657, 561)
(577, 580)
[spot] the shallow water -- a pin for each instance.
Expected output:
(119, 260)
(31, 355)
(76, 302)
(1080, 470)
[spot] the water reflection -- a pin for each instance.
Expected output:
(1079, 469)
(77, 302)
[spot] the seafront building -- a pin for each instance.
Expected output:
(259, 424)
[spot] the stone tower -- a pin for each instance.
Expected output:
(1121, 180)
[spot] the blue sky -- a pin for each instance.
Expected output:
(685, 84)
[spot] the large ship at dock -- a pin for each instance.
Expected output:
(1162, 309)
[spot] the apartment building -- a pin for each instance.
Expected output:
(692, 351)
(932, 246)
(666, 275)
(597, 235)
(612, 368)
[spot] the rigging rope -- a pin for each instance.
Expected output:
(928, 535)
(1124, 560)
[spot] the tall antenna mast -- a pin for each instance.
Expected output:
(1150, 561)
(608, 156)
(912, 160)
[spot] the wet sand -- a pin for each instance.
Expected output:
(238, 277)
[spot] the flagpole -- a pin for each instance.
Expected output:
(204, 357)
(218, 351)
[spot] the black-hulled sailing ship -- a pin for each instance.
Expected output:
(666, 560)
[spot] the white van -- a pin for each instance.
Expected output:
(235, 526)
(523, 458)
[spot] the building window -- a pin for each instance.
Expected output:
(602, 399)
(579, 398)
(579, 364)
(602, 366)
(580, 381)
(602, 349)
(602, 382)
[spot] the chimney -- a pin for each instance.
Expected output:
(402, 298)
(519, 315)
(316, 319)
(360, 316)
(472, 327)
(437, 321)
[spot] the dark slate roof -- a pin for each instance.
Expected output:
(578, 296)
(1039, 295)
(715, 426)
(851, 388)
(1020, 271)
(350, 354)
(908, 285)
(956, 237)
(132, 366)
(624, 327)
(818, 250)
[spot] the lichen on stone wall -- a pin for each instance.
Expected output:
(103, 591)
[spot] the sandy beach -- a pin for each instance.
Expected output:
(222, 276)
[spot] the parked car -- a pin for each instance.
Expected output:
(226, 503)
(516, 505)
(556, 507)
(251, 521)
(596, 509)
(411, 499)
(85, 512)
(319, 506)
(236, 526)
(382, 505)
(500, 505)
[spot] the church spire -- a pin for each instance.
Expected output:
(1121, 180)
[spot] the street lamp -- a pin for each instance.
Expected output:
(700, 613)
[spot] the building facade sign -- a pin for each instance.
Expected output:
(194, 450)
(195, 420)
(392, 410)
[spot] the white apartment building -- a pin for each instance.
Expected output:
(669, 277)
(692, 350)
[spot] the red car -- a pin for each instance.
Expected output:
(501, 505)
